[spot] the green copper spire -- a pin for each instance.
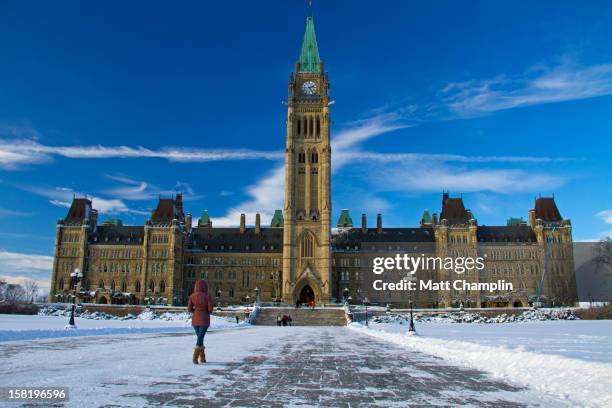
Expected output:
(345, 220)
(204, 220)
(309, 57)
(277, 219)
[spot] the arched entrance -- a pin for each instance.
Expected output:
(102, 300)
(306, 295)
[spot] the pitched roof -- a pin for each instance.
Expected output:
(355, 236)
(309, 56)
(453, 211)
(79, 209)
(515, 233)
(546, 209)
(231, 240)
(426, 218)
(120, 235)
(167, 210)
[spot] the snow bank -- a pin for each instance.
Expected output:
(579, 382)
(474, 317)
(51, 324)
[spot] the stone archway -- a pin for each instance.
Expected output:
(102, 300)
(306, 295)
(307, 288)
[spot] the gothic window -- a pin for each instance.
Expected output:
(112, 285)
(307, 246)
(162, 287)
(60, 285)
(101, 284)
(318, 126)
(124, 286)
(137, 287)
(299, 125)
(152, 286)
(314, 157)
(310, 126)
(231, 292)
(302, 158)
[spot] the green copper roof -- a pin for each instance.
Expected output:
(345, 219)
(204, 220)
(114, 222)
(511, 222)
(426, 217)
(309, 57)
(277, 219)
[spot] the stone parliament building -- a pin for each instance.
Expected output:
(298, 257)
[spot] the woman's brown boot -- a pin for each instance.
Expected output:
(196, 353)
(202, 355)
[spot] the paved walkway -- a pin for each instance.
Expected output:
(261, 366)
(339, 368)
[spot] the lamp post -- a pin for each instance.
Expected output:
(257, 290)
(345, 292)
(411, 278)
(75, 277)
(365, 302)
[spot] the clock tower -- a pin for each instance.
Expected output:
(307, 226)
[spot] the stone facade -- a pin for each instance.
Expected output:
(299, 258)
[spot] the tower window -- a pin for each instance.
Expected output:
(307, 246)
(299, 125)
(310, 127)
(318, 126)
(302, 158)
(314, 157)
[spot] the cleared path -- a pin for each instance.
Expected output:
(260, 366)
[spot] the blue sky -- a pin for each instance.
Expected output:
(500, 101)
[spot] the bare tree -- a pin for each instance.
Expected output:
(31, 289)
(3, 286)
(603, 263)
(14, 293)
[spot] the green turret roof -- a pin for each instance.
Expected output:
(345, 220)
(116, 222)
(511, 222)
(204, 220)
(309, 57)
(277, 219)
(426, 217)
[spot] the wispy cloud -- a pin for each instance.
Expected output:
(8, 212)
(428, 177)
(16, 267)
(540, 85)
(140, 190)
(606, 216)
(62, 197)
(16, 153)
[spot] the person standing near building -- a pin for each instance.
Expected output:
(201, 305)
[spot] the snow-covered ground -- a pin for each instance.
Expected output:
(568, 359)
(20, 327)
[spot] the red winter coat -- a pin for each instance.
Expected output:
(200, 303)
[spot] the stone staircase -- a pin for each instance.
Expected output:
(266, 316)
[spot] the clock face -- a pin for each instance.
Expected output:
(309, 88)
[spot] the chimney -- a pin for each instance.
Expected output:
(179, 207)
(242, 223)
(532, 217)
(379, 223)
(188, 222)
(257, 223)
(93, 218)
(364, 227)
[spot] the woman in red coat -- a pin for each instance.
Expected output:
(201, 305)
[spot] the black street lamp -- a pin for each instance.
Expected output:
(75, 277)
(411, 278)
(257, 290)
(345, 292)
(365, 302)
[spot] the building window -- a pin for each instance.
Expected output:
(137, 287)
(307, 246)
(101, 284)
(152, 286)
(162, 287)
